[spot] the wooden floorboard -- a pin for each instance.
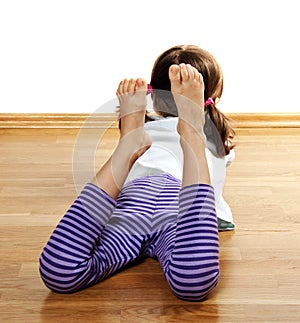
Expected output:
(260, 261)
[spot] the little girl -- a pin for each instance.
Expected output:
(131, 211)
(165, 154)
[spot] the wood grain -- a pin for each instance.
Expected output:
(260, 261)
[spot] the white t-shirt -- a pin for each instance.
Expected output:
(165, 156)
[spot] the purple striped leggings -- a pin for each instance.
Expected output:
(152, 217)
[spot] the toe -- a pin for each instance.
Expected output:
(197, 74)
(131, 86)
(184, 72)
(174, 74)
(120, 89)
(140, 85)
(193, 72)
(199, 77)
(125, 86)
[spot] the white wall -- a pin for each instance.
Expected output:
(69, 55)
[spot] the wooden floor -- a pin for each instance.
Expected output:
(260, 261)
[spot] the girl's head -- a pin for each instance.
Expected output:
(205, 63)
(202, 60)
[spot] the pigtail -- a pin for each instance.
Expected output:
(218, 130)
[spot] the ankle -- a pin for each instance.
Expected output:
(132, 145)
(190, 132)
(191, 136)
(131, 122)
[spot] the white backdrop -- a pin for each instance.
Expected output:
(68, 56)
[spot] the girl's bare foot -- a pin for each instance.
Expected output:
(131, 94)
(188, 91)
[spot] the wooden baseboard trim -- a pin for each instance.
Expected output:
(265, 120)
(76, 121)
(57, 121)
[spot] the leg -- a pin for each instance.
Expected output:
(69, 261)
(134, 141)
(74, 257)
(188, 91)
(188, 250)
(192, 263)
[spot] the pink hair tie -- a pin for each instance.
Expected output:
(149, 89)
(209, 101)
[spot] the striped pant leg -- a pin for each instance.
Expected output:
(189, 249)
(127, 234)
(69, 262)
(98, 236)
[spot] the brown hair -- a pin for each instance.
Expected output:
(217, 126)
